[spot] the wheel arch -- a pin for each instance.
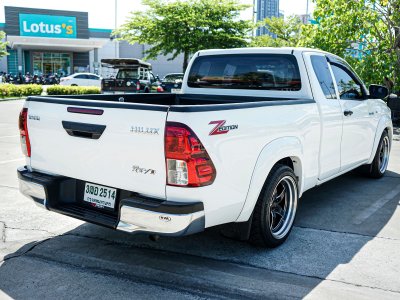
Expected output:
(287, 151)
(384, 124)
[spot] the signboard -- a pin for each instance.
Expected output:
(47, 26)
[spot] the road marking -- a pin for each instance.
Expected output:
(374, 207)
(8, 136)
(11, 160)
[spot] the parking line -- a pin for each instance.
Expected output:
(374, 207)
(11, 160)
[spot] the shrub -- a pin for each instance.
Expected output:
(23, 90)
(72, 90)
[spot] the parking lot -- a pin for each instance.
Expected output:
(345, 244)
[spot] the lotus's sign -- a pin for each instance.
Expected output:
(47, 26)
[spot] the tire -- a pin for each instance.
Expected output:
(74, 84)
(381, 159)
(275, 210)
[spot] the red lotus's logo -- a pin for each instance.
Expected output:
(221, 128)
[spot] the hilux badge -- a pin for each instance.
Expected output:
(145, 130)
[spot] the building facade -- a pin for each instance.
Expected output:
(266, 9)
(42, 41)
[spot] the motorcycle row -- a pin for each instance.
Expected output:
(48, 79)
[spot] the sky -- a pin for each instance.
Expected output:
(101, 12)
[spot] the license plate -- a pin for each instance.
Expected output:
(175, 90)
(100, 196)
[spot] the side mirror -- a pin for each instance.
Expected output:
(378, 91)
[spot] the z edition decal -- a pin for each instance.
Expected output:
(221, 128)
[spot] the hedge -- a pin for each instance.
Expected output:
(22, 90)
(72, 90)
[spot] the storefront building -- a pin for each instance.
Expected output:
(45, 42)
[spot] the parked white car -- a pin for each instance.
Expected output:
(252, 130)
(81, 79)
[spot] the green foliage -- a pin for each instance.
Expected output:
(11, 90)
(3, 45)
(72, 90)
(366, 33)
(180, 26)
(288, 32)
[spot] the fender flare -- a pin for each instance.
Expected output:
(268, 157)
(384, 122)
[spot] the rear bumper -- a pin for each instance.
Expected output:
(134, 213)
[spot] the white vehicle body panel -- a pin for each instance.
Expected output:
(109, 160)
(236, 154)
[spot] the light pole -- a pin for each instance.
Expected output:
(115, 27)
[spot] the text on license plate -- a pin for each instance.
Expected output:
(175, 90)
(100, 196)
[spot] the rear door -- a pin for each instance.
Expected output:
(119, 145)
(331, 115)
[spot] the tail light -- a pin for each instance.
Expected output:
(188, 163)
(138, 86)
(23, 131)
(160, 89)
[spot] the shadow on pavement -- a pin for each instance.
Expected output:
(334, 222)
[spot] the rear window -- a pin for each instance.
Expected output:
(172, 78)
(128, 74)
(246, 71)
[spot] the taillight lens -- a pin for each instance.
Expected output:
(138, 86)
(160, 89)
(188, 163)
(23, 131)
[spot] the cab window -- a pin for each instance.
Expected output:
(348, 86)
(321, 69)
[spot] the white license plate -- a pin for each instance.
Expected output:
(100, 196)
(175, 90)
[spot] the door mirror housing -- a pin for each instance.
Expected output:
(378, 91)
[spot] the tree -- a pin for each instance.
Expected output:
(176, 27)
(288, 32)
(3, 45)
(365, 32)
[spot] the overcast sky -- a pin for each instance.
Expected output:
(101, 13)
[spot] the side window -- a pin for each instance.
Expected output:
(82, 76)
(349, 88)
(321, 69)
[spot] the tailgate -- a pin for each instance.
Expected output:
(123, 147)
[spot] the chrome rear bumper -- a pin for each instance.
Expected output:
(133, 219)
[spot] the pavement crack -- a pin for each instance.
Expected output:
(3, 231)
(16, 254)
(31, 229)
(8, 186)
(348, 232)
(228, 260)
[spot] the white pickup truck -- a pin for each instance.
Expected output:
(252, 130)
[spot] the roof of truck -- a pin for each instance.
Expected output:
(275, 50)
(124, 63)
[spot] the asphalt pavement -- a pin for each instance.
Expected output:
(345, 244)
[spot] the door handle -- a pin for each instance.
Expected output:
(83, 130)
(347, 112)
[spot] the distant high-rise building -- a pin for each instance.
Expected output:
(305, 19)
(266, 9)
